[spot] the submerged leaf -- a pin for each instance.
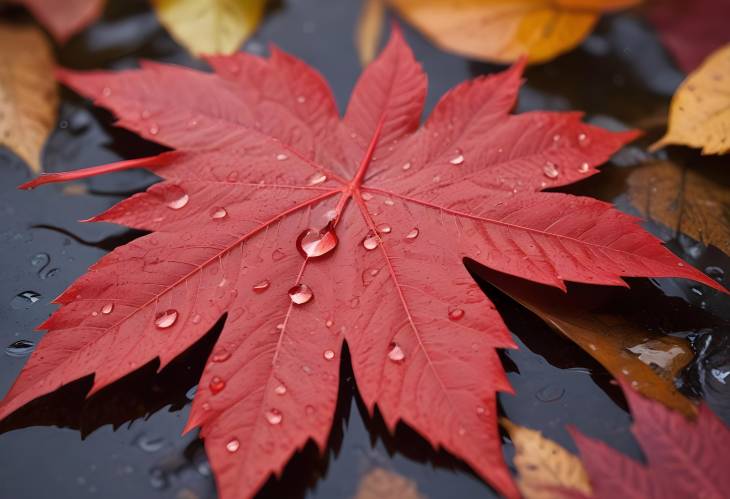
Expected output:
(380, 483)
(28, 93)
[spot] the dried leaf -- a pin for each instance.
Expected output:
(649, 361)
(544, 466)
(504, 30)
(380, 483)
(684, 200)
(28, 93)
(213, 27)
(699, 115)
(369, 30)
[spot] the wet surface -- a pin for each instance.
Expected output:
(125, 441)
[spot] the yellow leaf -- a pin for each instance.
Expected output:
(210, 27)
(545, 466)
(700, 112)
(369, 29)
(380, 483)
(685, 200)
(648, 360)
(28, 93)
(504, 30)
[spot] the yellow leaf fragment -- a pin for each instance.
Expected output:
(28, 92)
(369, 30)
(380, 483)
(504, 30)
(699, 115)
(210, 27)
(544, 466)
(685, 200)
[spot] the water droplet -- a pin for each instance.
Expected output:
(584, 168)
(309, 410)
(300, 294)
(154, 129)
(313, 243)
(107, 309)
(177, 198)
(232, 177)
(461, 431)
(456, 313)
(261, 286)
(190, 394)
(281, 157)
(550, 393)
(216, 385)
(368, 276)
(158, 479)
(329, 323)
(106, 91)
(279, 328)
(301, 99)
(329, 354)
(458, 159)
(150, 444)
(218, 213)
(196, 319)
(316, 178)
(715, 272)
(220, 355)
(680, 264)
(280, 390)
(20, 348)
(550, 170)
(24, 300)
(166, 319)
(370, 242)
(384, 229)
(406, 166)
(274, 416)
(233, 445)
(720, 375)
(582, 137)
(388, 202)
(481, 410)
(367, 196)
(556, 137)
(396, 354)
(277, 255)
(413, 233)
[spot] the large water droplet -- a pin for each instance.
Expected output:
(550, 170)
(280, 390)
(456, 313)
(300, 294)
(20, 348)
(313, 243)
(216, 385)
(261, 286)
(24, 300)
(220, 355)
(218, 213)
(413, 233)
(166, 319)
(107, 309)
(177, 198)
(273, 416)
(370, 242)
(458, 159)
(329, 354)
(316, 178)
(396, 354)
(233, 445)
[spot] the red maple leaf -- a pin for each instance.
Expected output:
(63, 18)
(308, 230)
(684, 458)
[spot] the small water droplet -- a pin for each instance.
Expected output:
(233, 445)
(584, 168)
(406, 166)
(218, 213)
(220, 355)
(309, 410)
(20, 348)
(316, 178)
(277, 255)
(396, 354)
(458, 159)
(190, 394)
(388, 202)
(556, 137)
(300, 294)
(274, 416)
(158, 479)
(413, 233)
(456, 313)
(154, 129)
(680, 264)
(370, 242)
(279, 327)
(107, 309)
(329, 323)
(715, 272)
(106, 91)
(196, 319)
(550, 393)
(232, 176)
(281, 157)
(314, 243)
(166, 319)
(481, 410)
(384, 229)
(329, 354)
(261, 286)
(216, 385)
(150, 444)
(301, 99)
(280, 390)
(720, 375)
(367, 196)
(177, 198)
(550, 170)
(461, 431)
(582, 137)
(24, 300)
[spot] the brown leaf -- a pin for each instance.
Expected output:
(684, 200)
(700, 112)
(369, 30)
(647, 360)
(545, 468)
(28, 93)
(380, 483)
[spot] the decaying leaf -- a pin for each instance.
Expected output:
(504, 30)
(28, 92)
(369, 29)
(649, 361)
(699, 115)
(544, 466)
(685, 200)
(63, 18)
(212, 27)
(380, 483)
